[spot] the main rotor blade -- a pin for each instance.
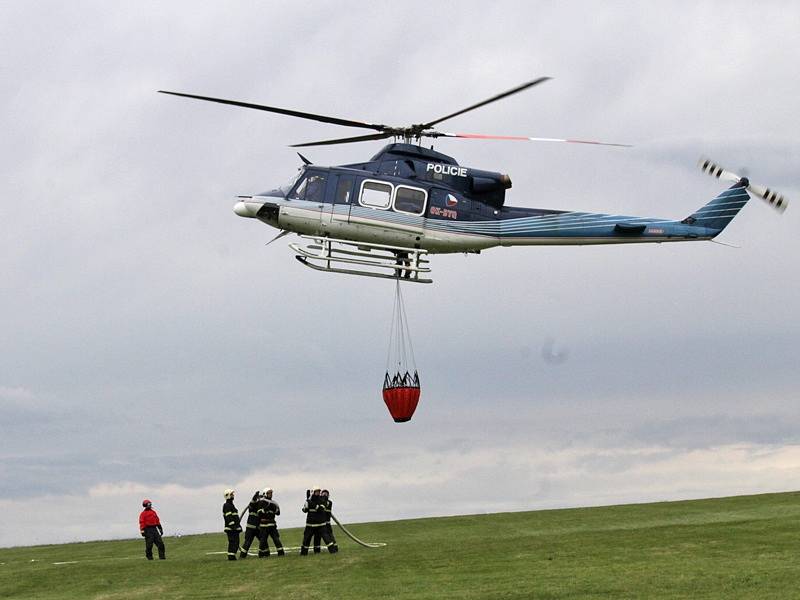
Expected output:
(478, 136)
(359, 138)
(524, 86)
(283, 111)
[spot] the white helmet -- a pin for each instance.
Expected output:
(229, 494)
(266, 491)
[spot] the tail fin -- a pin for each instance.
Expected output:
(721, 210)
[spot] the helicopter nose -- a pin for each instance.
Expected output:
(247, 208)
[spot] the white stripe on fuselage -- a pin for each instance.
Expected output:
(441, 236)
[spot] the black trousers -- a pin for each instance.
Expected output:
(233, 543)
(318, 536)
(323, 531)
(250, 533)
(329, 540)
(152, 536)
(265, 533)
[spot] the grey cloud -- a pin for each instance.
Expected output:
(29, 477)
(25, 418)
(720, 429)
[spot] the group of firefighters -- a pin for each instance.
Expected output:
(262, 510)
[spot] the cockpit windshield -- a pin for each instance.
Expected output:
(286, 187)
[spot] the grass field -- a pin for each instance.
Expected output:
(740, 547)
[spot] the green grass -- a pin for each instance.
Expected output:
(741, 547)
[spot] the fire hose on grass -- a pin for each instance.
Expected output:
(354, 538)
(342, 527)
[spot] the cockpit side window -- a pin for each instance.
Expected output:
(315, 188)
(310, 188)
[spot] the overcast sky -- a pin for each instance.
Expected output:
(152, 345)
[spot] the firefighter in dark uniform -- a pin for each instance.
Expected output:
(232, 526)
(327, 506)
(251, 529)
(151, 530)
(318, 530)
(314, 518)
(268, 528)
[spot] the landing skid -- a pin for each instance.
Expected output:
(367, 260)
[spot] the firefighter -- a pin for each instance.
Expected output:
(326, 532)
(232, 526)
(318, 532)
(268, 528)
(315, 518)
(251, 529)
(151, 530)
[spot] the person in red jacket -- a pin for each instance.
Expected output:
(151, 530)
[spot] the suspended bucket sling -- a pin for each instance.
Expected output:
(401, 384)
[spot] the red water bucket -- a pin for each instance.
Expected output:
(401, 402)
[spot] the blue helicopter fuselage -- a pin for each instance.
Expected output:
(412, 197)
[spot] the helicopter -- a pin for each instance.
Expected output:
(384, 217)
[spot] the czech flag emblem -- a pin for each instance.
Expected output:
(451, 200)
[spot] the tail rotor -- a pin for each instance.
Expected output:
(771, 197)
